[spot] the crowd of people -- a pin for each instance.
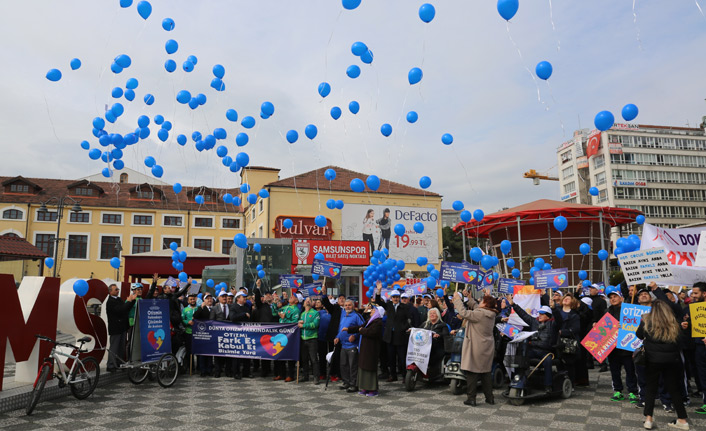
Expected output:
(358, 347)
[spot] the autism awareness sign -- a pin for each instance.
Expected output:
(456, 272)
(153, 326)
(602, 338)
(313, 290)
(291, 281)
(324, 268)
(277, 341)
(506, 285)
(273, 345)
(630, 318)
(551, 278)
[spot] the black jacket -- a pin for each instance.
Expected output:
(398, 321)
(657, 352)
(174, 305)
(117, 311)
(239, 313)
(335, 311)
(545, 338)
(263, 311)
(599, 306)
(203, 313)
(569, 328)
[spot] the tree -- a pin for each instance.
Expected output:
(453, 245)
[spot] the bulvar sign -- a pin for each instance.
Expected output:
(343, 252)
(302, 228)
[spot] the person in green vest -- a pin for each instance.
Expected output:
(309, 323)
(187, 317)
(287, 314)
(135, 288)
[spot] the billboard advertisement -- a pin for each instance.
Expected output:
(376, 223)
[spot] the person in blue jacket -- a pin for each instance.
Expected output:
(349, 346)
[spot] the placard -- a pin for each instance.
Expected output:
(645, 266)
(697, 312)
(630, 317)
(456, 272)
(701, 251)
(551, 278)
(291, 281)
(312, 290)
(484, 279)
(506, 285)
(269, 341)
(419, 348)
(153, 322)
(511, 331)
(324, 268)
(681, 246)
(602, 338)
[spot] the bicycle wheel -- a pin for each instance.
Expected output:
(38, 388)
(138, 375)
(84, 378)
(167, 370)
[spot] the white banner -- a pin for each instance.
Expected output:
(701, 251)
(529, 299)
(419, 348)
(645, 266)
(376, 223)
(681, 246)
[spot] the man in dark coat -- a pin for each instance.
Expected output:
(222, 312)
(335, 312)
(395, 335)
(262, 313)
(204, 313)
(118, 312)
(240, 313)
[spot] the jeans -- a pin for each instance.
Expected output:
(385, 239)
(309, 349)
(369, 237)
(616, 361)
(670, 375)
(117, 349)
(349, 366)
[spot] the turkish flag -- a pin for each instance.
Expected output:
(594, 142)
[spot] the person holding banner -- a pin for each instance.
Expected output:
(262, 313)
(309, 323)
(334, 310)
(660, 332)
(187, 318)
(440, 330)
(221, 312)
(287, 314)
(370, 336)
(478, 344)
(240, 313)
(117, 311)
(204, 313)
(349, 346)
(620, 358)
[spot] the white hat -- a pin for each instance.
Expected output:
(230, 293)
(426, 295)
(405, 295)
(299, 297)
(545, 310)
(395, 293)
(588, 301)
(240, 293)
(223, 293)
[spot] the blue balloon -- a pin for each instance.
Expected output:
(584, 249)
(170, 65)
(181, 140)
(192, 59)
(339, 204)
(508, 8)
(248, 122)
(117, 109)
(171, 46)
(193, 103)
(486, 262)
(252, 198)
(163, 135)
(447, 139)
(149, 161)
(123, 61)
(357, 185)
(629, 112)
(560, 223)
(543, 70)
(261, 273)
(427, 12)
(331, 204)
(604, 120)
(54, 75)
(324, 89)
(539, 263)
(240, 240)
(465, 216)
(330, 174)
(129, 95)
(107, 172)
(516, 273)
(320, 221)
(640, 219)
(115, 262)
(267, 108)
(199, 199)
(144, 8)
(430, 267)
(457, 205)
(168, 24)
(593, 191)
(386, 129)
(80, 287)
(335, 112)
(118, 165)
(183, 277)
(292, 136)
(478, 215)
(242, 139)
(173, 246)
(412, 117)
(354, 107)
(560, 252)
(244, 188)
(75, 63)
(414, 76)
(350, 4)
(183, 97)
(264, 194)
(400, 229)
(219, 71)
(232, 115)
(424, 182)
(218, 84)
(311, 131)
(602, 254)
(125, 3)
(421, 261)
(505, 246)
(257, 248)
(149, 99)
(242, 159)
(434, 273)
(510, 263)
(94, 154)
(418, 227)
(110, 117)
(358, 48)
(373, 182)
(49, 262)
(547, 266)
(476, 254)
(85, 145)
(115, 68)
(98, 123)
(583, 275)
(228, 198)
(157, 171)
(531, 280)
(367, 57)
(222, 151)
(353, 71)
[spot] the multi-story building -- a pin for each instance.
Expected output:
(110, 220)
(658, 170)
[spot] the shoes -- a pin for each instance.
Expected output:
(275, 378)
(334, 378)
(677, 425)
(391, 379)
(345, 386)
(372, 394)
(617, 396)
(604, 368)
(701, 410)
(288, 379)
(647, 425)
(352, 389)
(237, 377)
(470, 403)
(249, 376)
(548, 389)
(668, 408)
(229, 374)
(217, 375)
(383, 376)
(640, 404)
(490, 401)
(204, 374)
(633, 398)
(363, 393)
(318, 381)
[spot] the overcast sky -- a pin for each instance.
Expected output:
(475, 85)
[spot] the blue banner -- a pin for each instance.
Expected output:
(269, 341)
(484, 279)
(630, 318)
(313, 290)
(155, 336)
(324, 268)
(507, 285)
(292, 281)
(551, 278)
(456, 272)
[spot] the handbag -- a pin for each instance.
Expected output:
(639, 357)
(568, 346)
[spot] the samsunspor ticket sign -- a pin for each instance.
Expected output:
(344, 252)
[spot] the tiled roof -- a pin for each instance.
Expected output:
(18, 248)
(315, 179)
(119, 196)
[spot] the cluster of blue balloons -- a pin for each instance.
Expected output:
(626, 245)
(334, 204)
(357, 185)
(55, 74)
(486, 261)
(381, 268)
(178, 257)
(359, 49)
(604, 120)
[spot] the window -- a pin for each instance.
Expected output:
(566, 156)
(11, 235)
(261, 206)
(80, 217)
(166, 242)
(567, 172)
(600, 179)
(231, 223)
(112, 219)
(19, 188)
(83, 191)
(570, 187)
(144, 194)
(123, 178)
(252, 215)
(226, 245)
(78, 247)
(259, 232)
(142, 220)
(141, 244)
(602, 195)
(45, 242)
(203, 244)
(173, 220)
(598, 161)
(203, 222)
(46, 215)
(12, 214)
(110, 247)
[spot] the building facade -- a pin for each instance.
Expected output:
(111, 220)
(658, 170)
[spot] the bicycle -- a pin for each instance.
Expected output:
(82, 378)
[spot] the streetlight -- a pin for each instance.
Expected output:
(60, 204)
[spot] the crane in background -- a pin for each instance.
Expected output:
(536, 176)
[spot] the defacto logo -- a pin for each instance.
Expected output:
(415, 216)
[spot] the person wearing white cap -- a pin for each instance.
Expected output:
(395, 335)
(240, 313)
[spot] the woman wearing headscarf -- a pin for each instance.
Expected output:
(369, 350)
